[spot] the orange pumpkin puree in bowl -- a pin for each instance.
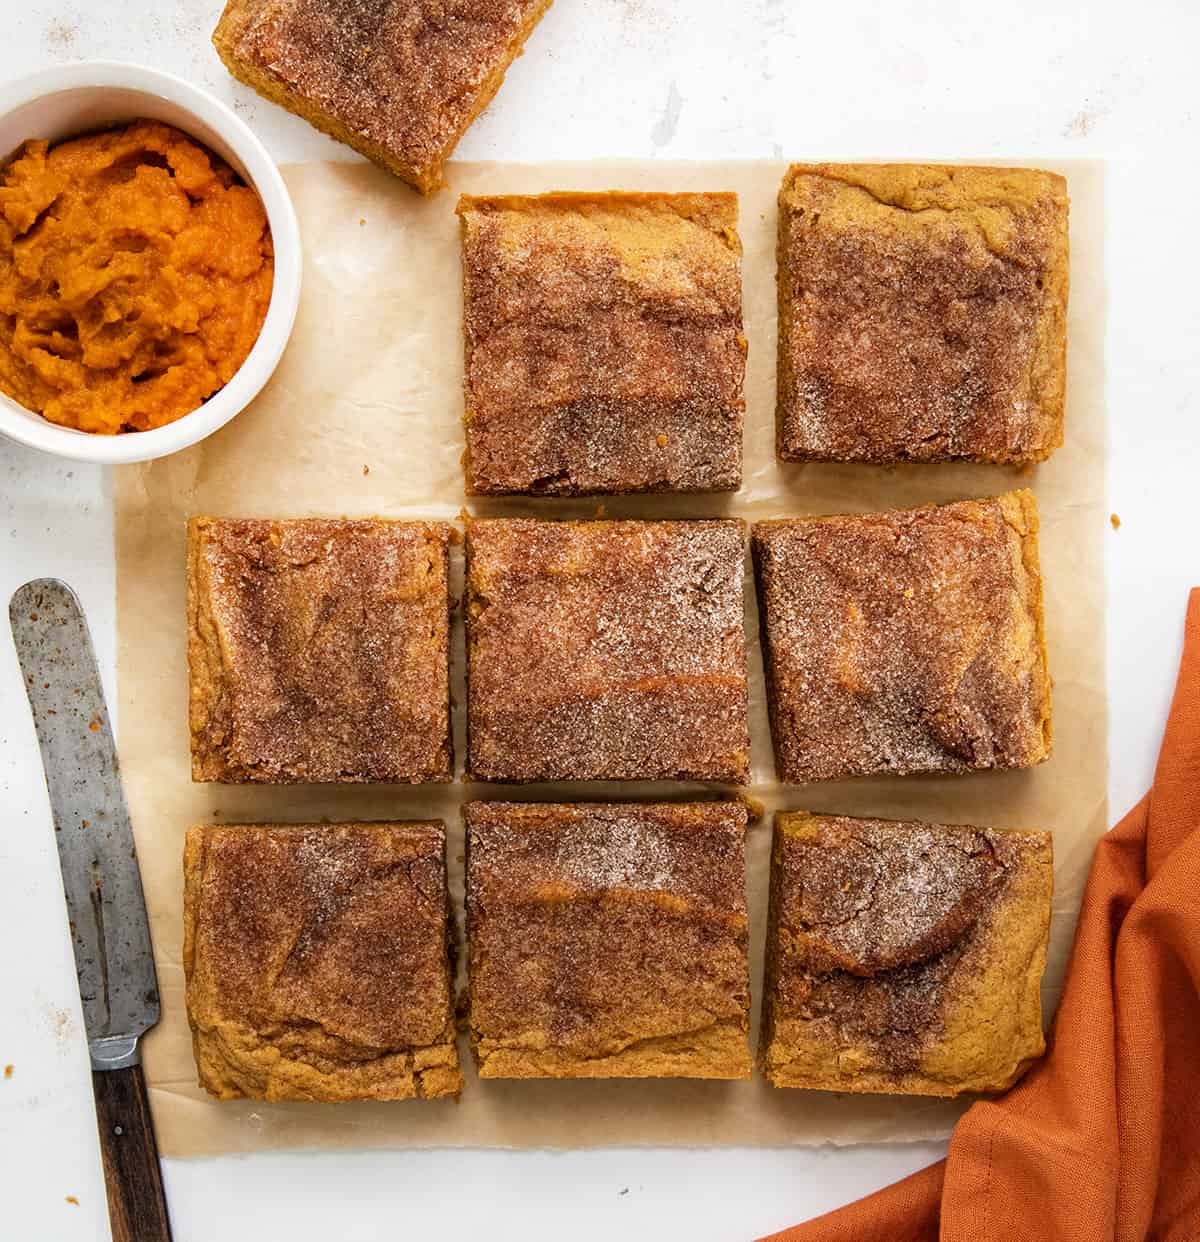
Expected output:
(135, 274)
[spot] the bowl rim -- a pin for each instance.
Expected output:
(262, 173)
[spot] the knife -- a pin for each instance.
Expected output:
(109, 929)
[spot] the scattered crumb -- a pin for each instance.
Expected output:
(94, 724)
(61, 36)
(61, 1022)
(366, 471)
(1115, 520)
(72, 1200)
(1086, 119)
(8, 1071)
(754, 807)
(83, 823)
(361, 221)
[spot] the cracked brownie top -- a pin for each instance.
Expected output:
(907, 641)
(904, 956)
(318, 650)
(316, 960)
(604, 346)
(606, 650)
(922, 313)
(608, 939)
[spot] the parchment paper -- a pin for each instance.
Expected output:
(363, 417)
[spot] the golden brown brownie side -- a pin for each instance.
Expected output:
(606, 651)
(922, 313)
(604, 345)
(317, 961)
(904, 957)
(398, 80)
(908, 641)
(317, 650)
(608, 940)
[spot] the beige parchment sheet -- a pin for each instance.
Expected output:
(363, 417)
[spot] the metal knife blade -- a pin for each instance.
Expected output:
(109, 929)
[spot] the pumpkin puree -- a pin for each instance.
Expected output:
(135, 273)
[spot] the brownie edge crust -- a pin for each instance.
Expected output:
(608, 940)
(904, 957)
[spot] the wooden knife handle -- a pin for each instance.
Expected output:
(136, 1205)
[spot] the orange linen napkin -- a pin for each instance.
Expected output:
(1101, 1140)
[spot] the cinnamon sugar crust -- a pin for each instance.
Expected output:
(922, 313)
(604, 345)
(398, 80)
(606, 650)
(317, 961)
(317, 650)
(904, 957)
(608, 940)
(903, 642)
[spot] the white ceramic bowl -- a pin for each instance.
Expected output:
(70, 99)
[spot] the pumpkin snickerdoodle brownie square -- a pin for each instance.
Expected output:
(604, 344)
(922, 313)
(317, 961)
(398, 80)
(317, 650)
(608, 940)
(904, 957)
(904, 642)
(606, 650)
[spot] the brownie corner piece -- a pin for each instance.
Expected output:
(608, 940)
(606, 650)
(318, 650)
(398, 82)
(932, 986)
(604, 343)
(922, 313)
(316, 961)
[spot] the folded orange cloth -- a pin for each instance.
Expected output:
(1101, 1140)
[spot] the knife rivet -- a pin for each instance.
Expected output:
(118, 1131)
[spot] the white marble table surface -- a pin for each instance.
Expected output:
(643, 78)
